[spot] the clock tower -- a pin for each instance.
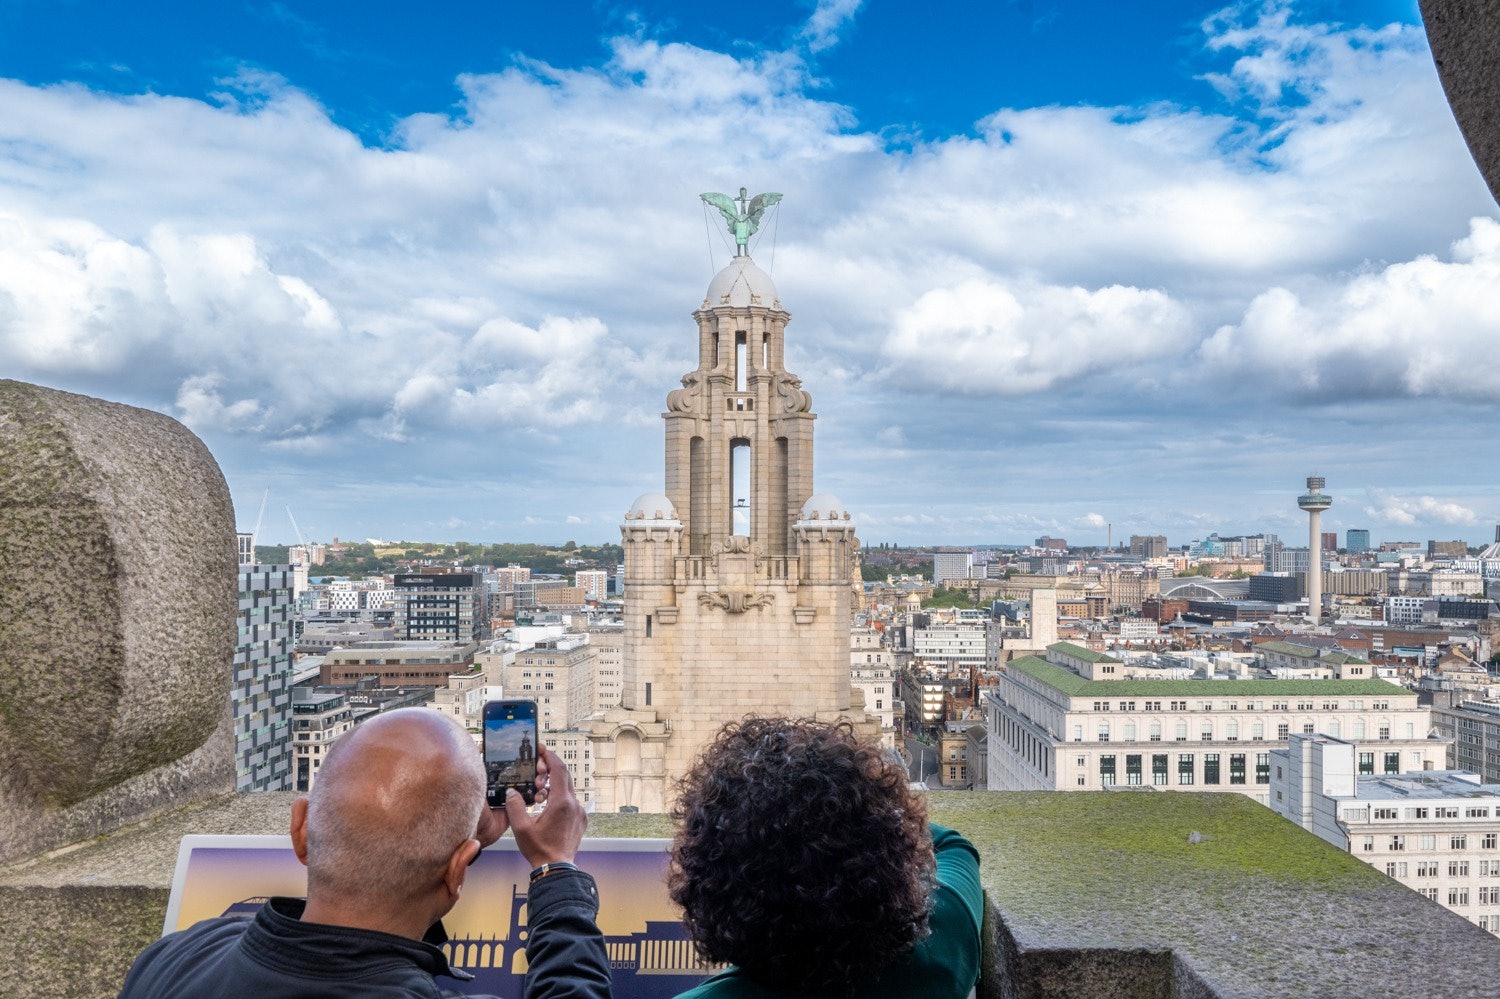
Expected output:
(739, 579)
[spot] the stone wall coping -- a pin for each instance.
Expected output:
(1090, 894)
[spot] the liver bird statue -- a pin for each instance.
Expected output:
(742, 215)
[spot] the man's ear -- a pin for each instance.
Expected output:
(299, 829)
(458, 867)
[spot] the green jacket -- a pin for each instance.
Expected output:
(943, 965)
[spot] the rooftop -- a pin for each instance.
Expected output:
(1067, 682)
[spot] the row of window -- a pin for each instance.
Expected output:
(1232, 732)
(1356, 704)
(1426, 812)
(1432, 868)
(1429, 841)
(1187, 769)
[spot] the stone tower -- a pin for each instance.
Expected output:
(739, 581)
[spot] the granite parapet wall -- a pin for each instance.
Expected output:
(1091, 895)
(117, 617)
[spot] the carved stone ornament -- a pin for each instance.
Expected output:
(789, 390)
(735, 544)
(683, 400)
(736, 603)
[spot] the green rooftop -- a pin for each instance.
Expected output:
(1079, 652)
(1070, 683)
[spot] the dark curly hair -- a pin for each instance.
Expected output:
(800, 854)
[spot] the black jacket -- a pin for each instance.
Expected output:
(277, 956)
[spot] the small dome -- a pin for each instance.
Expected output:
(823, 507)
(651, 506)
(742, 284)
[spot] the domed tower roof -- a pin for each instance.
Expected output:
(652, 507)
(824, 508)
(742, 284)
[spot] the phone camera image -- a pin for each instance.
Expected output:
(510, 750)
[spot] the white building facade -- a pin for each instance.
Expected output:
(1438, 832)
(1082, 720)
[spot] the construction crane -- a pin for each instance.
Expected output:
(306, 551)
(255, 531)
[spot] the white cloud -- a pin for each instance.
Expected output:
(527, 267)
(1419, 328)
(1409, 511)
(985, 337)
(828, 19)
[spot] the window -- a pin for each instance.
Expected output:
(1155, 732)
(1237, 768)
(1262, 768)
(1476, 813)
(1427, 869)
(1153, 705)
(1458, 896)
(1390, 869)
(1159, 772)
(1077, 733)
(1232, 731)
(1385, 813)
(1184, 768)
(1107, 770)
(1458, 868)
(1082, 780)
(1488, 842)
(1208, 733)
(1459, 842)
(1369, 840)
(1393, 763)
(1133, 769)
(1182, 731)
(1130, 731)
(1210, 768)
(1446, 812)
(1282, 729)
(1398, 842)
(1367, 763)
(1427, 842)
(1104, 733)
(1083, 761)
(1258, 731)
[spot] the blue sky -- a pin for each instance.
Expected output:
(1052, 266)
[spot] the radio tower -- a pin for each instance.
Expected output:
(1314, 502)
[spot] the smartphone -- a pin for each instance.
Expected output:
(510, 750)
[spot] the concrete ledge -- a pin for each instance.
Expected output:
(1091, 895)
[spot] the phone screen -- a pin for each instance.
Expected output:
(510, 749)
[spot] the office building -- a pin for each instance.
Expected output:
(1144, 546)
(439, 607)
(1082, 720)
(951, 563)
(1356, 541)
(1437, 832)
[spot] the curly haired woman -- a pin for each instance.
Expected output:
(803, 861)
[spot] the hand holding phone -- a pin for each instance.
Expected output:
(511, 748)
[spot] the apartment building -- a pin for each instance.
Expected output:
(439, 606)
(260, 692)
(1082, 720)
(558, 673)
(1437, 832)
(873, 671)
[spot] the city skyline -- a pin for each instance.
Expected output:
(1055, 272)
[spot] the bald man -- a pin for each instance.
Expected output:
(396, 816)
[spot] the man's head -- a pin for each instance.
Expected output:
(392, 814)
(800, 854)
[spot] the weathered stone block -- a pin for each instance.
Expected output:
(117, 617)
